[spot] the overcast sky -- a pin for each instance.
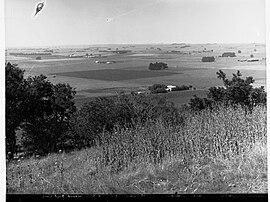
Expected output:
(85, 22)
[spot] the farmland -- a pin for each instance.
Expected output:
(102, 71)
(219, 150)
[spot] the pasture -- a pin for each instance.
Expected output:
(130, 70)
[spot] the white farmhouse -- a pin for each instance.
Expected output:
(170, 87)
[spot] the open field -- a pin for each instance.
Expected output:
(130, 70)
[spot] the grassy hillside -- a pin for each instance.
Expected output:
(219, 151)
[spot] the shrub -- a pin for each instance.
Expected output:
(236, 91)
(239, 51)
(181, 88)
(38, 58)
(197, 103)
(158, 88)
(228, 54)
(208, 59)
(158, 66)
(105, 115)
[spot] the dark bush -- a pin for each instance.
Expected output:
(104, 115)
(228, 54)
(208, 59)
(38, 58)
(158, 66)
(158, 88)
(197, 103)
(239, 51)
(181, 88)
(236, 91)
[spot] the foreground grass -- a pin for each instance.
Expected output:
(220, 151)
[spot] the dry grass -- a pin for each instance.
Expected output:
(219, 151)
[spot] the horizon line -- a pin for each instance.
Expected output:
(161, 43)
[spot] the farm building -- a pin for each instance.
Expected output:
(170, 87)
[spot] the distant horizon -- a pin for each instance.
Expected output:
(70, 45)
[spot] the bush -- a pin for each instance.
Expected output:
(208, 59)
(239, 51)
(228, 54)
(105, 115)
(236, 91)
(38, 58)
(197, 103)
(181, 88)
(158, 66)
(158, 88)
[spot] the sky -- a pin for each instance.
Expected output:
(86, 22)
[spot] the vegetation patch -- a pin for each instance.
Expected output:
(228, 54)
(158, 66)
(208, 59)
(220, 151)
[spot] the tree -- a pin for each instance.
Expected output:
(15, 93)
(48, 121)
(158, 66)
(181, 88)
(41, 109)
(235, 91)
(104, 114)
(208, 59)
(158, 88)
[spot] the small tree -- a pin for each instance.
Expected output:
(158, 88)
(235, 91)
(158, 66)
(181, 88)
(208, 59)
